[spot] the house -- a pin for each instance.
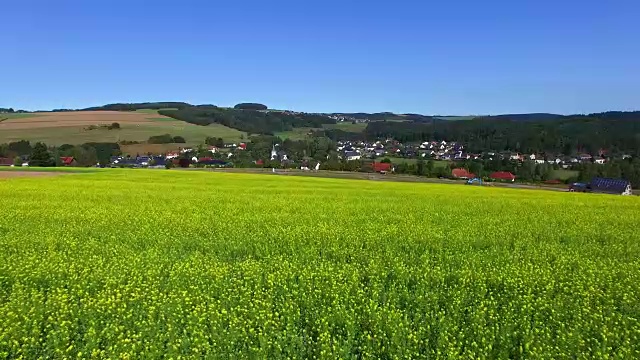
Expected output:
(351, 155)
(585, 157)
(503, 176)
(68, 161)
(515, 156)
(283, 156)
(142, 161)
(610, 186)
(173, 155)
(158, 162)
(212, 149)
(186, 150)
(461, 173)
(599, 160)
(379, 152)
(381, 167)
(6, 161)
(242, 146)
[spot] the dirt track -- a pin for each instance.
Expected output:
(13, 174)
(78, 118)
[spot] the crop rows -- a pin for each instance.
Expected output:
(151, 264)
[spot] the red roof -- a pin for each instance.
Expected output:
(462, 173)
(6, 161)
(502, 175)
(259, 162)
(379, 167)
(242, 146)
(67, 160)
(205, 159)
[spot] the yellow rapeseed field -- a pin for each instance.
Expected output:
(184, 264)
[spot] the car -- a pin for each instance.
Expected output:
(580, 187)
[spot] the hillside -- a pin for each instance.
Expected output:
(78, 127)
(534, 132)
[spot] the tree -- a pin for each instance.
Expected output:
(114, 125)
(41, 156)
(429, 168)
(386, 160)
(17, 161)
(250, 106)
(21, 147)
(420, 167)
(179, 140)
(160, 139)
(85, 155)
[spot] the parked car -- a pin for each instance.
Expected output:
(580, 187)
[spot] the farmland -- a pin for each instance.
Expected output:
(72, 127)
(145, 264)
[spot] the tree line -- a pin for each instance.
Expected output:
(39, 154)
(251, 121)
(617, 132)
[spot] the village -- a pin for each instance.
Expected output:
(382, 156)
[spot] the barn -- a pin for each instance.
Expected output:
(382, 167)
(462, 173)
(503, 176)
(610, 186)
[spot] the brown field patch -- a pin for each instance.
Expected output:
(79, 118)
(14, 174)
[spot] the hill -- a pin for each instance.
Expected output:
(534, 132)
(78, 127)
(531, 133)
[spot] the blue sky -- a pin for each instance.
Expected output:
(430, 57)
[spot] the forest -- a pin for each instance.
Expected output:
(617, 132)
(251, 121)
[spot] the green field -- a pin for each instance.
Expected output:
(193, 134)
(295, 134)
(347, 126)
(563, 174)
(301, 133)
(436, 163)
(169, 263)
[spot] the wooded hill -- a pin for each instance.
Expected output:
(617, 132)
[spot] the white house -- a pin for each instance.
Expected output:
(352, 155)
(599, 160)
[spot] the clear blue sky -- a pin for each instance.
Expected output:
(431, 57)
